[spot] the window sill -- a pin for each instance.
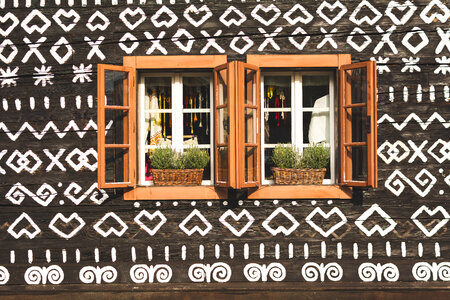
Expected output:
(263, 192)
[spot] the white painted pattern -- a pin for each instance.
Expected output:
(237, 218)
(41, 275)
(369, 272)
(424, 271)
(219, 272)
(119, 231)
(151, 217)
(257, 272)
(280, 228)
(151, 273)
(196, 228)
(326, 216)
(375, 228)
(312, 272)
(424, 178)
(430, 213)
(90, 274)
(59, 218)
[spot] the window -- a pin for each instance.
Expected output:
(238, 112)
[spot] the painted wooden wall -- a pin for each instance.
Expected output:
(57, 230)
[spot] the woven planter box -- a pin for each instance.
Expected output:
(177, 177)
(299, 176)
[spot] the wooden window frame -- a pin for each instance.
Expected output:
(261, 192)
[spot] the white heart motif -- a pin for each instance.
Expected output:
(331, 7)
(196, 11)
(4, 19)
(409, 7)
(267, 9)
(67, 14)
(133, 13)
(230, 213)
(60, 217)
(439, 225)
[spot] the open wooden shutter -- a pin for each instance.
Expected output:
(225, 125)
(358, 128)
(248, 150)
(116, 122)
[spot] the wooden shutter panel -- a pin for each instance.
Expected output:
(358, 124)
(116, 122)
(225, 125)
(248, 152)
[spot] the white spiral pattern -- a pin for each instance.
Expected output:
(276, 271)
(422, 271)
(390, 272)
(40, 275)
(91, 274)
(4, 275)
(221, 272)
(310, 272)
(253, 272)
(163, 273)
(198, 273)
(108, 274)
(313, 271)
(139, 273)
(443, 271)
(334, 271)
(367, 272)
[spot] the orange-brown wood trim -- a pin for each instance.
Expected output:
(262, 192)
(299, 60)
(175, 61)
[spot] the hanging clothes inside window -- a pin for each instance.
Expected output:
(319, 127)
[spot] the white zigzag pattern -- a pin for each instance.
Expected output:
(413, 116)
(72, 126)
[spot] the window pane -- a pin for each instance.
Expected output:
(268, 163)
(357, 79)
(158, 97)
(251, 164)
(196, 126)
(222, 87)
(115, 160)
(250, 125)
(358, 117)
(223, 125)
(315, 87)
(277, 91)
(359, 163)
(222, 162)
(316, 127)
(277, 127)
(117, 122)
(196, 92)
(250, 87)
(116, 82)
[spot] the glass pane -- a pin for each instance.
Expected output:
(277, 91)
(277, 127)
(222, 87)
(222, 162)
(316, 127)
(251, 164)
(250, 125)
(196, 126)
(250, 87)
(158, 96)
(358, 117)
(223, 125)
(316, 90)
(159, 128)
(268, 163)
(359, 163)
(115, 160)
(357, 80)
(117, 122)
(196, 92)
(116, 82)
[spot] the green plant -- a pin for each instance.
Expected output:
(316, 156)
(285, 157)
(163, 158)
(195, 158)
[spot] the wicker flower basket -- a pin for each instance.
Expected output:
(177, 177)
(298, 176)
